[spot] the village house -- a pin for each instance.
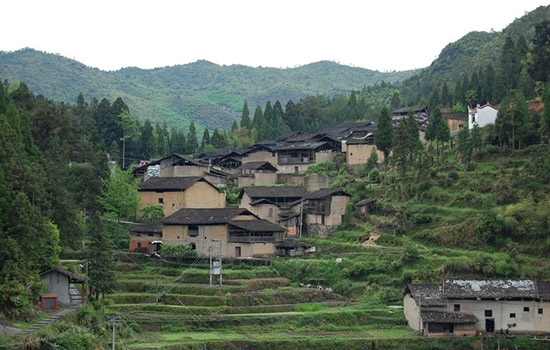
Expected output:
(256, 174)
(175, 193)
(145, 237)
(463, 307)
(455, 121)
(296, 157)
(259, 153)
(324, 210)
(227, 232)
(61, 289)
(482, 115)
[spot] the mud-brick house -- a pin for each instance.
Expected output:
(256, 174)
(177, 165)
(324, 210)
(295, 157)
(455, 121)
(278, 204)
(463, 307)
(229, 232)
(175, 193)
(145, 237)
(259, 153)
(64, 288)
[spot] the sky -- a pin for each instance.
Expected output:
(381, 35)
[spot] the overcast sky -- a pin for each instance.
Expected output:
(382, 35)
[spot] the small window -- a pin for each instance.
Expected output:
(193, 230)
(457, 307)
(513, 315)
(193, 246)
(161, 200)
(488, 313)
(526, 308)
(540, 311)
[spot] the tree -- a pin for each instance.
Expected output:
(512, 122)
(130, 129)
(192, 141)
(152, 213)
(539, 67)
(245, 117)
(383, 137)
(147, 140)
(205, 139)
(120, 200)
(101, 263)
(545, 120)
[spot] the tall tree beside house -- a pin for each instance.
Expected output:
(130, 130)
(437, 130)
(101, 262)
(383, 137)
(120, 202)
(545, 119)
(147, 144)
(512, 122)
(178, 142)
(192, 140)
(205, 139)
(162, 137)
(245, 117)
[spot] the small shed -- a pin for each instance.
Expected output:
(365, 206)
(63, 283)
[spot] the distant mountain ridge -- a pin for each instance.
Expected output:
(213, 95)
(207, 93)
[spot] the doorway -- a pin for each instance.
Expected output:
(237, 252)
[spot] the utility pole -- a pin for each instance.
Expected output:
(114, 320)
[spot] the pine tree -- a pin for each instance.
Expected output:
(192, 141)
(245, 118)
(383, 137)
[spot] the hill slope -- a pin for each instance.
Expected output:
(202, 91)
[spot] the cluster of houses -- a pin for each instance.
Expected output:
(190, 190)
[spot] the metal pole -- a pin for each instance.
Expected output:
(220, 259)
(113, 335)
(210, 253)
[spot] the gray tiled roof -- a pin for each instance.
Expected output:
(71, 275)
(256, 192)
(260, 165)
(427, 294)
(146, 228)
(204, 216)
(257, 225)
(326, 192)
(180, 183)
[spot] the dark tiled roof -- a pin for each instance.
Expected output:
(300, 145)
(428, 294)
(146, 228)
(261, 165)
(257, 225)
(405, 110)
(497, 288)
(256, 192)
(448, 317)
(71, 275)
(204, 216)
(180, 183)
(326, 192)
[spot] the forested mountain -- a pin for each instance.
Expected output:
(203, 92)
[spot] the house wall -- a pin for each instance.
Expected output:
(412, 314)
(213, 238)
(338, 206)
(182, 170)
(55, 282)
(265, 179)
(260, 156)
(293, 168)
(360, 153)
(144, 239)
(199, 195)
(455, 124)
(482, 116)
(526, 321)
(263, 211)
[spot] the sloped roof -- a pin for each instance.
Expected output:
(180, 183)
(326, 192)
(434, 294)
(406, 110)
(300, 145)
(497, 288)
(257, 225)
(146, 228)
(255, 192)
(204, 216)
(260, 165)
(427, 294)
(72, 276)
(447, 317)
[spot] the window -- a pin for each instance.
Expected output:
(488, 313)
(457, 307)
(526, 308)
(193, 246)
(161, 200)
(513, 315)
(193, 230)
(540, 311)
